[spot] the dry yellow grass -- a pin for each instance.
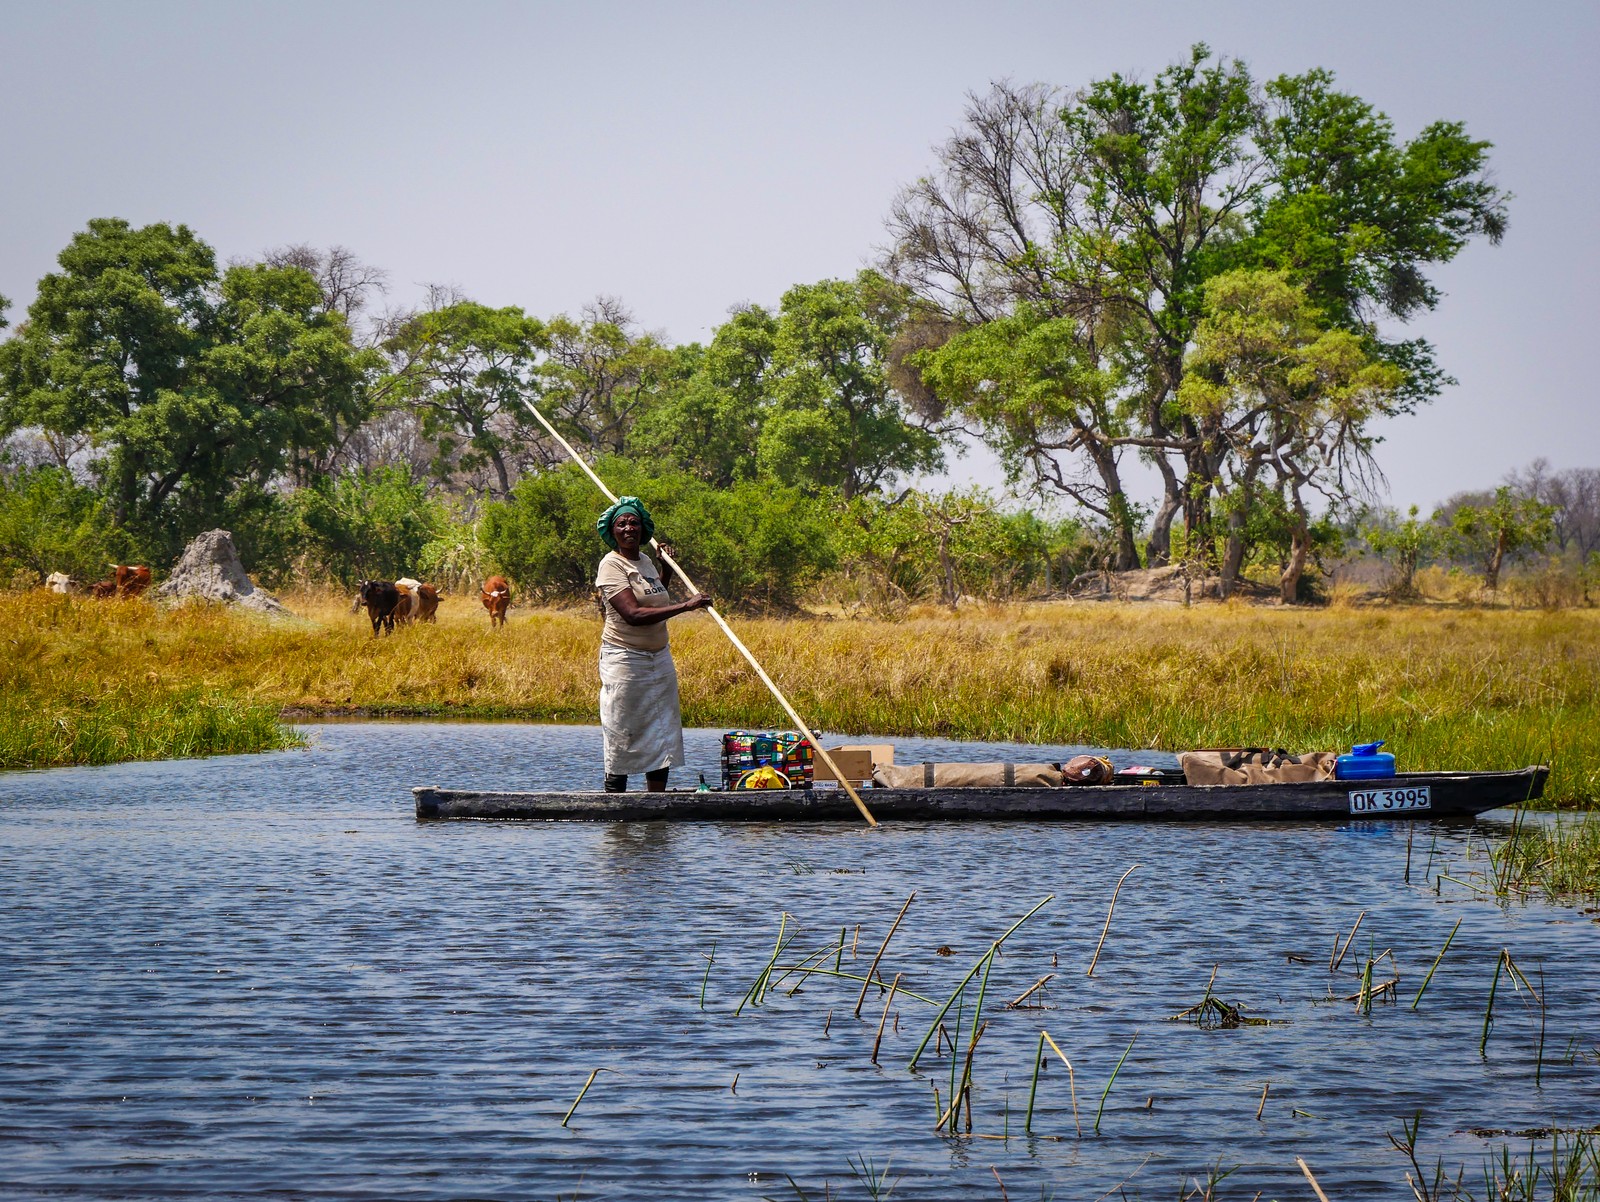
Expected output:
(1448, 689)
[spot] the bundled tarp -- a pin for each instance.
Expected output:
(1255, 766)
(967, 776)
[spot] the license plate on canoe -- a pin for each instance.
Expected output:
(1390, 801)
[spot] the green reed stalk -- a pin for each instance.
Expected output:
(1538, 1062)
(710, 960)
(800, 966)
(1508, 854)
(1488, 1011)
(955, 1051)
(1106, 1092)
(753, 994)
(1033, 1089)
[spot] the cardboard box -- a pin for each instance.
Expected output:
(856, 761)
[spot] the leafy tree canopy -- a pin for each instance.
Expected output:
(1098, 216)
(187, 383)
(464, 368)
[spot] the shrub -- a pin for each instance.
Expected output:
(756, 544)
(366, 524)
(51, 523)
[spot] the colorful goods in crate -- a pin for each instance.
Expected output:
(785, 751)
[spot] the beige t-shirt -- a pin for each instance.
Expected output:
(617, 572)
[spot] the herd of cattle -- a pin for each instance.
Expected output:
(127, 580)
(404, 600)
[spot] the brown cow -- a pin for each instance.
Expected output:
(127, 581)
(418, 602)
(496, 599)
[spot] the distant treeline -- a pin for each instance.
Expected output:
(1204, 272)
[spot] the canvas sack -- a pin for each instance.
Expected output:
(966, 776)
(1255, 766)
(1088, 770)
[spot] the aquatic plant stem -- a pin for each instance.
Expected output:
(1106, 1092)
(966, 1069)
(855, 976)
(1262, 1105)
(1488, 1011)
(1110, 910)
(1072, 1080)
(1509, 851)
(1333, 965)
(977, 1030)
(893, 985)
(581, 1092)
(872, 971)
(804, 727)
(1435, 965)
(1033, 1090)
(1306, 1169)
(1017, 1001)
(965, 1089)
(972, 972)
(1538, 1059)
(753, 994)
(710, 960)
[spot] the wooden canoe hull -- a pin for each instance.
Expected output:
(1452, 794)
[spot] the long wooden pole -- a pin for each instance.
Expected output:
(799, 722)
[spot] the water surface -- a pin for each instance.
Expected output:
(258, 976)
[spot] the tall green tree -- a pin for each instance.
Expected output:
(710, 423)
(1503, 526)
(464, 368)
(1405, 544)
(1109, 208)
(1285, 397)
(189, 384)
(834, 420)
(600, 375)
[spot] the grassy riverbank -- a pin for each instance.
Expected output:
(1448, 689)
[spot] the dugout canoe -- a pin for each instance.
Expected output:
(1410, 795)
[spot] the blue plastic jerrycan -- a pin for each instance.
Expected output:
(1365, 762)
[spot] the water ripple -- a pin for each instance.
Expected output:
(259, 977)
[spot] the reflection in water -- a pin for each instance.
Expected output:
(259, 976)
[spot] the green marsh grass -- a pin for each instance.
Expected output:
(1467, 689)
(89, 683)
(1560, 861)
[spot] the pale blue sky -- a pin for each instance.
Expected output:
(690, 156)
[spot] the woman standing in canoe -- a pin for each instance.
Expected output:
(639, 714)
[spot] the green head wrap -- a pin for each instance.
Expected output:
(625, 505)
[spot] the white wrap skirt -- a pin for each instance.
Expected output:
(639, 714)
